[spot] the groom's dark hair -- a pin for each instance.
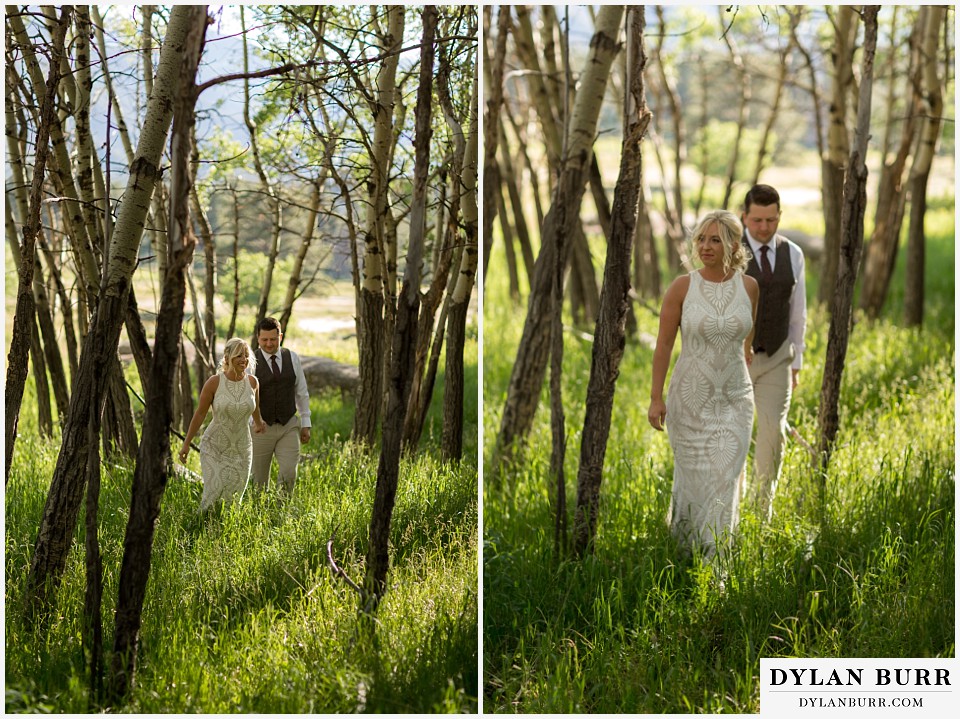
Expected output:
(268, 324)
(762, 195)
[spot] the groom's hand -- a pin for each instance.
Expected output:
(304, 435)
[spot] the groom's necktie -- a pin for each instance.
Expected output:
(765, 269)
(273, 366)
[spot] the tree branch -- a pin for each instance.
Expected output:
(339, 572)
(252, 75)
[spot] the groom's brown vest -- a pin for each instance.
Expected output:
(773, 309)
(278, 397)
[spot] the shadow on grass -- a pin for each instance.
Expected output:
(449, 649)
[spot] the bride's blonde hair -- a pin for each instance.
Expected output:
(234, 348)
(735, 254)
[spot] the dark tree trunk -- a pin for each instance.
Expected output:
(93, 596)
(916, 251)
(646, 260)
(153, 458)
(185, 390)
(137, 335)
(25, 313)
(65, 303)
(558, 422)
(508, 246)
(882, 250)
(119, 431)
(832, 195)
(880, 253)
(404, 337)
(920, 172)
(235, 304)
(452, 437)
(51, 349)
(491, 170)
(451, 441)
(516, 203)
(44, 416)
(371, 368)
(834, 164)
(100, 343)
(581, 267)
(430, 376)
(609, 337)
(425, 370)
(526, 380)
(600, 198)
(854, 206)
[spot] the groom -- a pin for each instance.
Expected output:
(778, 266)
(283, 394)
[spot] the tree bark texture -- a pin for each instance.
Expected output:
(451, 441)
(405, 334)
(646, 264)
(137, 337)
(39, 365)
(153, 458)
(920, 171)
(584, 277)
(506, 230)
(51, 352)
(547, 113)
(117, 427)
(672, 196)
(529, 369)
(371, 338)
(67, 485)
(421, 390)
(510, 180)
(609, 336)
(81, 243)
(491, 127)
(24, 315)
(93, 595)
(207, 340)
(881, 252)
(854, 206)
(838, 144)
(51, 348)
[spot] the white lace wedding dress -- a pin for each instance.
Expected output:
(226, 448)
(710, 412)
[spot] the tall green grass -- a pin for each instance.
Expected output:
(242, 613)
(636, 628)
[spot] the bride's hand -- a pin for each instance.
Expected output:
(657, 414)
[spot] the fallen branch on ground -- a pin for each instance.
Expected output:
(339, 572)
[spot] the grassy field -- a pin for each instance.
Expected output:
(634, 628)
(242, 613)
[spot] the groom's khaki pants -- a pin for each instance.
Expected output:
(284, 441)
(772, 387)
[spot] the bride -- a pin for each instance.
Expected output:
(226, 448)
(708, 414)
